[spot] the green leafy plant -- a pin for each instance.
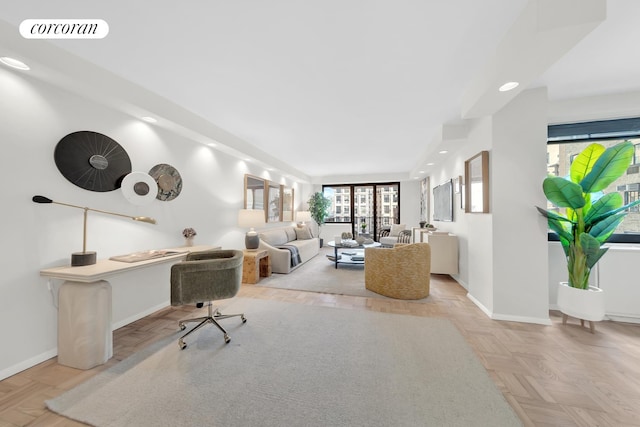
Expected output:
(588, 223)
(318, 206)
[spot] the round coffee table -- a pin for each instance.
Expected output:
(347, 254)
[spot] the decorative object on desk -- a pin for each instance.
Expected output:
(251, 219)
(590, 218)
(422, 224)
(346, 235)
(318, 206)
(169, 181)
(360, 240)
(363, 225)
(189, 234)
(92, 161)
(139, 188)
(88, 257)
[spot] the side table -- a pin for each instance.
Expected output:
(256, 264)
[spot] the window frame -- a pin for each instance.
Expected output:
(594, 131)
(353, 201)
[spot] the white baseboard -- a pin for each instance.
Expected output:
(509, 318)
(139, 315)
(623, 318)
(26, 364)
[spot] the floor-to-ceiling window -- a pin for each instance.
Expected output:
(367, 207)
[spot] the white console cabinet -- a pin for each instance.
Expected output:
(444, 252)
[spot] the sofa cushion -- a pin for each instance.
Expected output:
(291, 233)
(303, 233)
(307, 248)
(275, 237)
(396, 229)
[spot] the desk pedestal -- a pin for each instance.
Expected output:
(85, 339)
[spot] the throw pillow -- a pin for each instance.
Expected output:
(396, 229)
(303, 233)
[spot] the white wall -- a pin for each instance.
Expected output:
(35, 236)
(518, 166)
(491, 255)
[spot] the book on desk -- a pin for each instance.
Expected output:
(146, 255)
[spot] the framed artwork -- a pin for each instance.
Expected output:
(424, 200)
(274, 202)
(287, 204)
(254, 192)
(476, 171)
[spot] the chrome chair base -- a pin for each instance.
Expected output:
(213, 316)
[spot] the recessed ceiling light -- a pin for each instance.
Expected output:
(211, 144)
(443, 152)
(430, 164)
(508, 86)
(149, 119)
(420, 171)
(14, 63)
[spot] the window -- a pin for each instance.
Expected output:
(361, 204)
(631, 193)
(566, 141)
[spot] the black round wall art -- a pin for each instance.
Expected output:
(92, 161)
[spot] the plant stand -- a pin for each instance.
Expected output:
(581, 304)
(592, 325)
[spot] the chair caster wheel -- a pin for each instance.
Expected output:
(244, 319)
(182, 345)
(182, 326)
(227, 338)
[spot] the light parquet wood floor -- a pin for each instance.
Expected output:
(560, 375)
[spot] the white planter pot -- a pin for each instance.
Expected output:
(585, 304)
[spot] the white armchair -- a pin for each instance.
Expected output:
(397, 233)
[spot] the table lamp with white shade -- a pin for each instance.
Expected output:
(303, 216)
(251, 219)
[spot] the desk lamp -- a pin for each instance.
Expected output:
(88, 257)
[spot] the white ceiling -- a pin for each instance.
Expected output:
(333, 87)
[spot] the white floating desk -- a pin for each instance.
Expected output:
(85, 338)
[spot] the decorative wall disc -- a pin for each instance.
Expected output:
(169, 181)
(139, 188)
(92, 161)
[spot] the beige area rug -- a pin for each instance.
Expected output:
(298, 365)
(320, 275)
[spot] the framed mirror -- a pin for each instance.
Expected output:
(274, 204)
(476, 171)
(287, 204)
(254, 192)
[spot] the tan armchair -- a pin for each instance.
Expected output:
(401, 272)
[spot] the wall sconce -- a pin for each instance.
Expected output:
(88, 257)
(251, 218)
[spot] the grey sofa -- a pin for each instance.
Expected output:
(283, 242)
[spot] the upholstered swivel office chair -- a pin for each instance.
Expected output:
(203, 278)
